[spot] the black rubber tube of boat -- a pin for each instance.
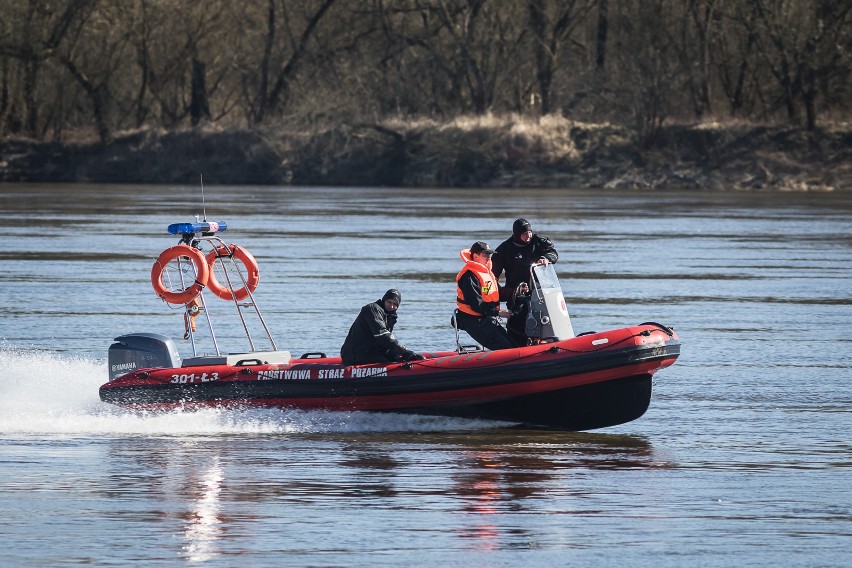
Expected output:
(668, 331)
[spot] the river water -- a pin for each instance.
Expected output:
(744, 457)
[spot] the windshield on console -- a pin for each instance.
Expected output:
(547, 278)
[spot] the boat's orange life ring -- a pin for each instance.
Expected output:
(248, 261)
(202, 273)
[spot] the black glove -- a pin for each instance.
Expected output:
(491, 308)
(409, 355)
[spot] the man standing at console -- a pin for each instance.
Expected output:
(516, 255)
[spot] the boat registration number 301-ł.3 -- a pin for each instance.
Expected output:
(193, 378)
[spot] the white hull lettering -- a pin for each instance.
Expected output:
(305, 374)
(330, 374)
(293, 374)
(193, 378)
(369, 372)
(298, 374)
(269, 375)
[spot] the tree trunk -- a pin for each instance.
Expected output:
(30, 102)
(603, 30)
(199, 107)
(4, 94)
(98, 95)
(544, 67)
(278, 94)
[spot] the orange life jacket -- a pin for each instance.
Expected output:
(487, 283)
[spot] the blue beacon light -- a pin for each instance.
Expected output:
(198, 227)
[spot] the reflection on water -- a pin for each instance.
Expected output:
(476, 473)
(203, 525)
(475, 477)
(484, 493)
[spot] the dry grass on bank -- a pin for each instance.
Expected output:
(468, 151)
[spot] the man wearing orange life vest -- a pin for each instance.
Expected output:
(478, 299)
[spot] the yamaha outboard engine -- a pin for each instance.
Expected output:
(141, 351)
(548, 315)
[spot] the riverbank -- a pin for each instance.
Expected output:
(468, 152)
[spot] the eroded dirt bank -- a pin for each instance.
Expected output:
(476, 152)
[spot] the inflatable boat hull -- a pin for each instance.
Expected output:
(586, 382)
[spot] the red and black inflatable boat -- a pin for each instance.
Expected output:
(589, 381)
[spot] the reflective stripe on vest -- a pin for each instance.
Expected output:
(487, 286)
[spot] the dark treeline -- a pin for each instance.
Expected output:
(69, 68)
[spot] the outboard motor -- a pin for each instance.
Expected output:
(141, 351)
(548, 315)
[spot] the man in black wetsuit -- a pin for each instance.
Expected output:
(370, 339)
(516, 255)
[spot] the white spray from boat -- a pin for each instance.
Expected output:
(47, 393)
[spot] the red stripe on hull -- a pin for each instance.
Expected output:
(401, 402)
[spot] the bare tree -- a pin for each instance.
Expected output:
(698, 34)
(552, 24)
(803, 45)
(734, 57)
(647, 69)
(33, 34)
(601, 34)
(289, 28)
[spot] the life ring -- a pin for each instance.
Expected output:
(248, 261)
(202, 273)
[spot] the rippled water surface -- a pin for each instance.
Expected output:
(743, 458)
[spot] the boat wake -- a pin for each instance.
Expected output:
(48, 393)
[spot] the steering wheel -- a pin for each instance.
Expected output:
(516, 293)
